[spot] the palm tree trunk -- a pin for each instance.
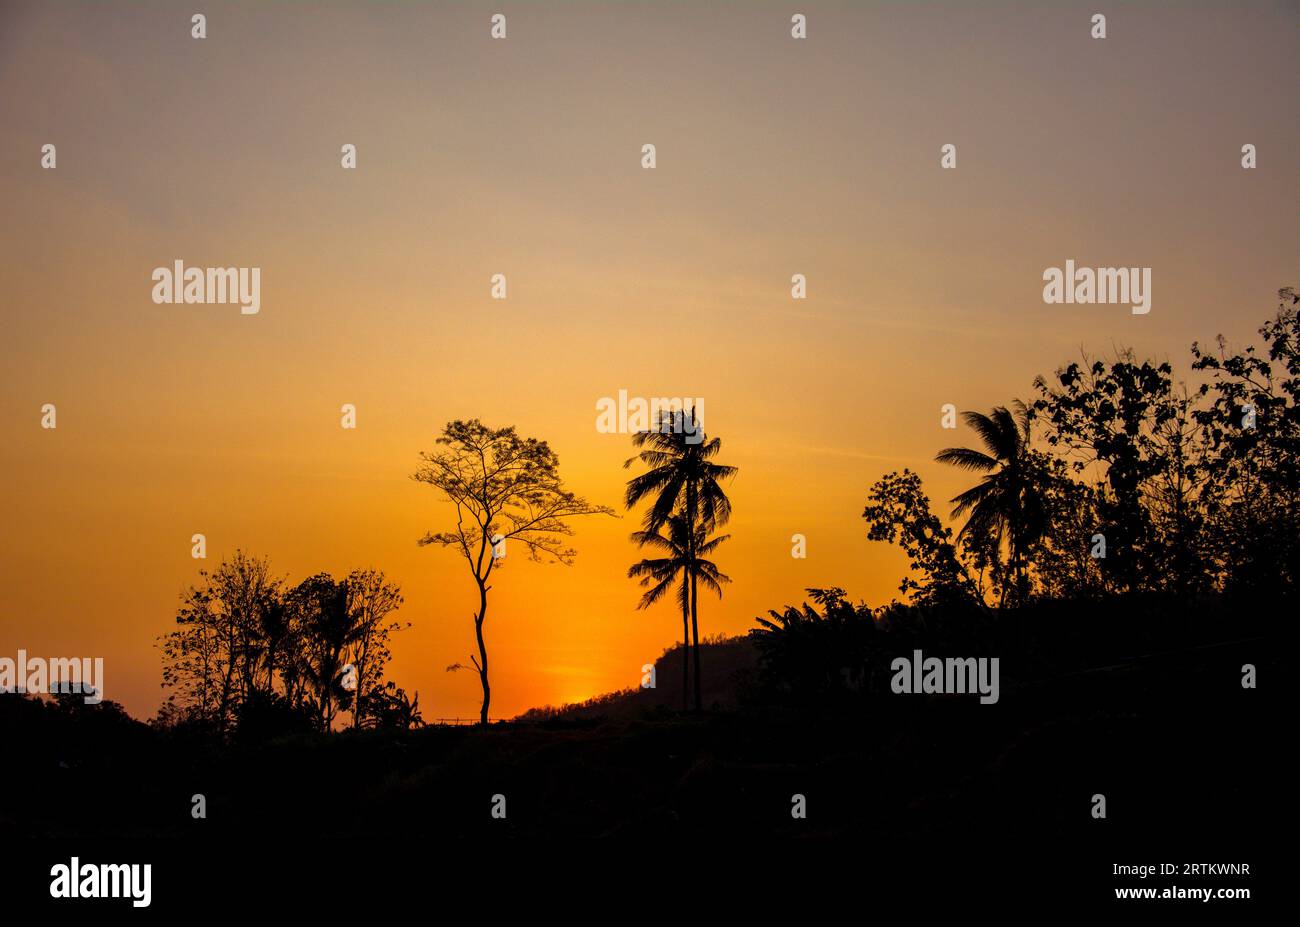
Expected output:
(695, 634)
(686, 657)
(695, 622)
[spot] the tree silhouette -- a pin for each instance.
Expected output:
(1251, 453)
(240, 631)
(505, 488)
(898, 512)
(1063, 565)
(807, 654)
(683, 555)
(215, 658)
(1131, 421)
(1007, 504)
(682, 478)
(330, 627)
(371, 599)
(389, 707)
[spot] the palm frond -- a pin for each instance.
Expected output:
(966, 459)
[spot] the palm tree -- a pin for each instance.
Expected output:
(682, 478)
(1007, 504)
(663, 571)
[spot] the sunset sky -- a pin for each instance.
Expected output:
(523, 157)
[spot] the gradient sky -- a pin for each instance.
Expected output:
(522, 157)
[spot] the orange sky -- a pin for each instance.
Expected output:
(522, 157)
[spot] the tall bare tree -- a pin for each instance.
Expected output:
(505, 488)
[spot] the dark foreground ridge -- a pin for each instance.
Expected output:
(929, 768)
(925, 784)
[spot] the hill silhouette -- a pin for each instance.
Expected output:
(729, 671)
(1072, 721)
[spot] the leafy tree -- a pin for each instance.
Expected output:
(898, 512)
(1251, 454)
(330, 627)
(240, 632)
(685, 558)
(371, 599)
(682, 478)
(1130, 421)
(505, 488)
(1064, 567)
(192, 657)
(388, 707)
(217, 654)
